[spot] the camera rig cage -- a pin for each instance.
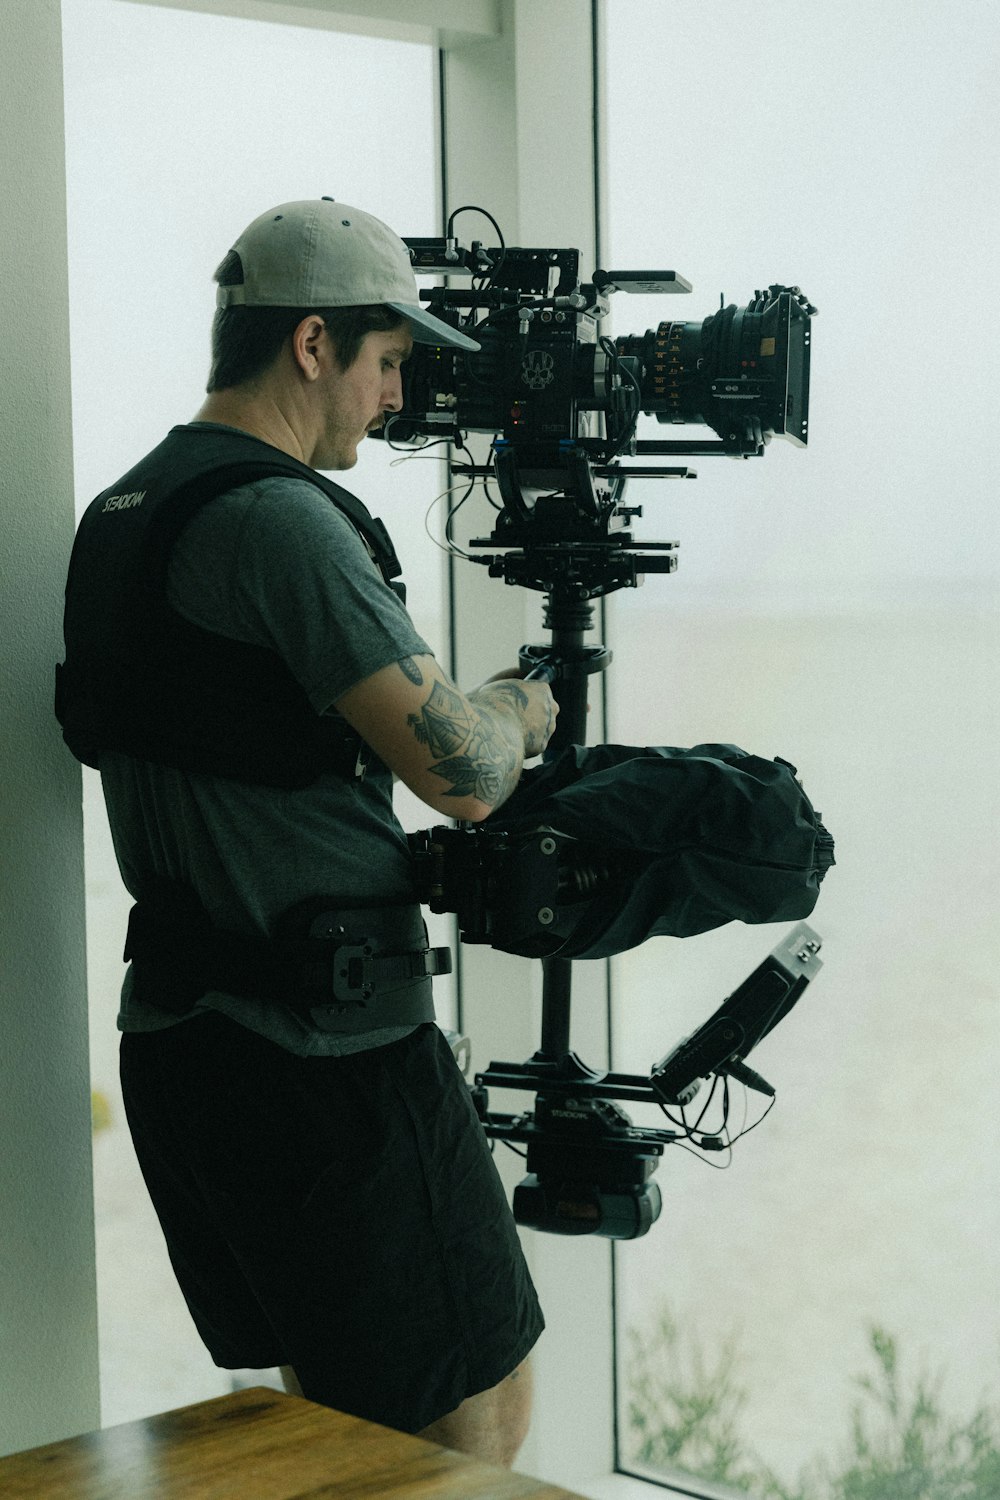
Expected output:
(561, 402)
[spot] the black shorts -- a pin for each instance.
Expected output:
(340, 1215)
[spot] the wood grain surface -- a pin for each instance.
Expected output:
(257, 1445)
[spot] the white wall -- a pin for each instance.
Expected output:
(48, 1334)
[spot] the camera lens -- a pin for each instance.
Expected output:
(742, 368)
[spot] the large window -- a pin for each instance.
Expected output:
(180, 129)
(824, 1314)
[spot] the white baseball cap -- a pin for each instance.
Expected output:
(320, 253)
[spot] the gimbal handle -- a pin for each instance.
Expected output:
(548, 665)
(566, 663)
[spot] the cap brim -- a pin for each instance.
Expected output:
(427, 329)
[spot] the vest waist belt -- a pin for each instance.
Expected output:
(369, 968)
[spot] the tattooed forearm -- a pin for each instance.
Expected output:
(444, 723)
(409, 669)
(507, 693)
(477, 752)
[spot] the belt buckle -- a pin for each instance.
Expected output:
(353, 981)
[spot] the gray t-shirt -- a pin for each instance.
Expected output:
(276, 564)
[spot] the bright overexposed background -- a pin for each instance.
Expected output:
(837, 607)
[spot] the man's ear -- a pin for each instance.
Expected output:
(310, 346)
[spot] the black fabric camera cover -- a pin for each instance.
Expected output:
(694, 839)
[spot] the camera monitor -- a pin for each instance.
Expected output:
(742, 1020)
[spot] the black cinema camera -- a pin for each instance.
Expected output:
(561, 402)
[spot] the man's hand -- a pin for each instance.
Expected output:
(460, 753)
(531, 702)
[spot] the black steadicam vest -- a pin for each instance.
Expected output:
(140, 678)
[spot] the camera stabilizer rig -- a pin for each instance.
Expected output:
(589, 1166)
(561, 402)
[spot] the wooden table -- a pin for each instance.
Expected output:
(257, 1445)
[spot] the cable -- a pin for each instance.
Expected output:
(744, 1128)
(624, 373)
(475, 209)
(496, 504)
(490, 457)
(695, 1149)
(485, 282)
(689, 1130)
(450, 547)
(707, 1106)
(449, 538)
(417, 451)
(451, 550)
(756, 1122)
(716, 1166)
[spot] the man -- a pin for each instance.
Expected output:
(248, 683)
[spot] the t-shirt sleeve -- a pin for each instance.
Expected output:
(276, 564)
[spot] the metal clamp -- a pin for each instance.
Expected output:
(353, 974)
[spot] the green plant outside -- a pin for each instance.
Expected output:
(684, 1413)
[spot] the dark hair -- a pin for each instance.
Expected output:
(247, 340)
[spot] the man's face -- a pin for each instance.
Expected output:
(355, 400)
